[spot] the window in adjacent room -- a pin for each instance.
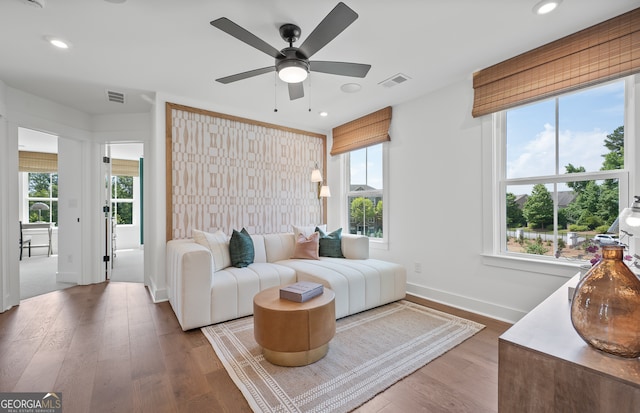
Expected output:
(562, 176)
(43, 189)
(365, 192)
(122, 199)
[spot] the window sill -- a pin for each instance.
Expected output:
(551, 267)
(378, 245)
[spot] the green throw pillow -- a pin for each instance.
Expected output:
(330, 244)
(241, 249)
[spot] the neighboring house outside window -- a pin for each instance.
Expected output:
(561, 176)
(365, 191)
(42, 189)
(122, 199)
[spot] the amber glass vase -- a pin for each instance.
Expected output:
(605, 310)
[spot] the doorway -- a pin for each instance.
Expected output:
(38, 212)
(124, 243)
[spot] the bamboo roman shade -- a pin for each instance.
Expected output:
(362, 132)
(124, 167)
(606, 51)
(39, 162)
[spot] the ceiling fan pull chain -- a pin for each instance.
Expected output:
(309, 92)
(275, 94)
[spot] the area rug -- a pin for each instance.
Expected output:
(370, 351)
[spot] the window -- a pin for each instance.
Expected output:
(365, 192)
(122, 199)
(561, 177)
(42, 197)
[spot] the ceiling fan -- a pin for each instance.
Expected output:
(292, 63)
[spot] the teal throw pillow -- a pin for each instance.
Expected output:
(330, 244)
(241, 249)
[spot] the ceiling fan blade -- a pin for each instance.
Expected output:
(296, 91)
(340, 68)
(246, 75)
(244, 35)
(332, 25)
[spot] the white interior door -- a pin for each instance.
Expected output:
(126, 208)
(109, 232)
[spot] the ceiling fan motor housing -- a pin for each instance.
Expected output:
(292, 57)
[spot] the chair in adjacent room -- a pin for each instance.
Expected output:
(24, 241)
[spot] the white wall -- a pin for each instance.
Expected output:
(127, 237)
(435, 210)
(70, 200)
(9, 228)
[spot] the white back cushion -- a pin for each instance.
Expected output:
(258, 248)
(279, 246)
(218, 244)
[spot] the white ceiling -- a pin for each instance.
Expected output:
(140, 47)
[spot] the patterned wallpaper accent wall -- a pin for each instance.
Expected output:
(227, 173)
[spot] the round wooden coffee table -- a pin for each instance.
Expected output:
(291, 333)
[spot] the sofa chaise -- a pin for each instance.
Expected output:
(202, 293)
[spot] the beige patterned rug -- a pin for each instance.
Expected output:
(370, 351)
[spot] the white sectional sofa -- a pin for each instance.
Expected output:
(201, 296)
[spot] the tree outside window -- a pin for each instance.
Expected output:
(122, 199)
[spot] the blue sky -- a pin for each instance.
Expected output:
(371, 156)
(586, 117)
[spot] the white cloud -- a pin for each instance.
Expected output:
(537, 157)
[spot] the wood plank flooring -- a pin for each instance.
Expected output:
(108, 348)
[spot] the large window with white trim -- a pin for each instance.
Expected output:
(122, 199)
(365, 191)
(561, 177)
(42, 197)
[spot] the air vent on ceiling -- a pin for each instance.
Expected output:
(116, 97)
(394, 80)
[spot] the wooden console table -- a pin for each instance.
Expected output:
(544, 366)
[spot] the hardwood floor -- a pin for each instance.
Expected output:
(108, 348)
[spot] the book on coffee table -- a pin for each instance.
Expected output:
(301, 291)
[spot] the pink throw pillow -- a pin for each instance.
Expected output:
(307, 247)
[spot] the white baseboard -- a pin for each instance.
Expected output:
(67, 277)
(157, 295)
(492, 310)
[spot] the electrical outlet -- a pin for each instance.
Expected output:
(417, 267)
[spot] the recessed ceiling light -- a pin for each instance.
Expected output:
(546, 6)
(115, 1)
(324, 114)
(350, 87)
(59, 43)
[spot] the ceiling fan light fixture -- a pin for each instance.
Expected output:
(292, 71)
